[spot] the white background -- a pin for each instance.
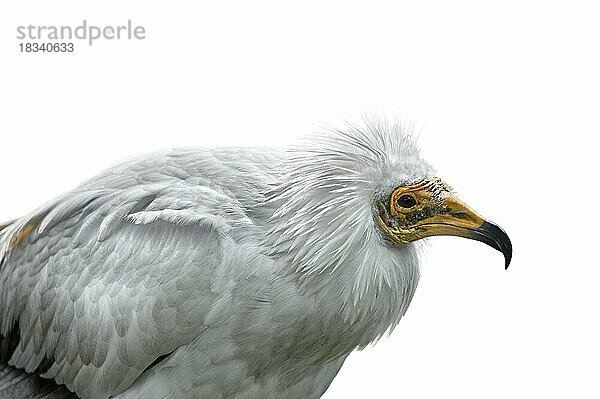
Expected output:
(505, 96)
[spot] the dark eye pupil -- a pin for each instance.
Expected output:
(407, 201)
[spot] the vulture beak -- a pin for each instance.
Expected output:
(460, 220)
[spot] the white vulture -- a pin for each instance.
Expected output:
(222, 272)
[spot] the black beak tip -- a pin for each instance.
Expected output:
(507, 258)
(497, 238)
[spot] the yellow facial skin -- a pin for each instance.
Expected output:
(429, 208)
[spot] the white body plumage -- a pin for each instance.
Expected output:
(238, 272)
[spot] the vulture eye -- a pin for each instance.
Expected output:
(406, 201)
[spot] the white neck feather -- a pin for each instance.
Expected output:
(323, 227)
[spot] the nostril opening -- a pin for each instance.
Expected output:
(462, 214)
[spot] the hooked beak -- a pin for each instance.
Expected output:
(462, 221)
(494, 236)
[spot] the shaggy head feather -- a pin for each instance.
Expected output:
(324, 225)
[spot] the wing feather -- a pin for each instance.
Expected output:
(115, 274)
